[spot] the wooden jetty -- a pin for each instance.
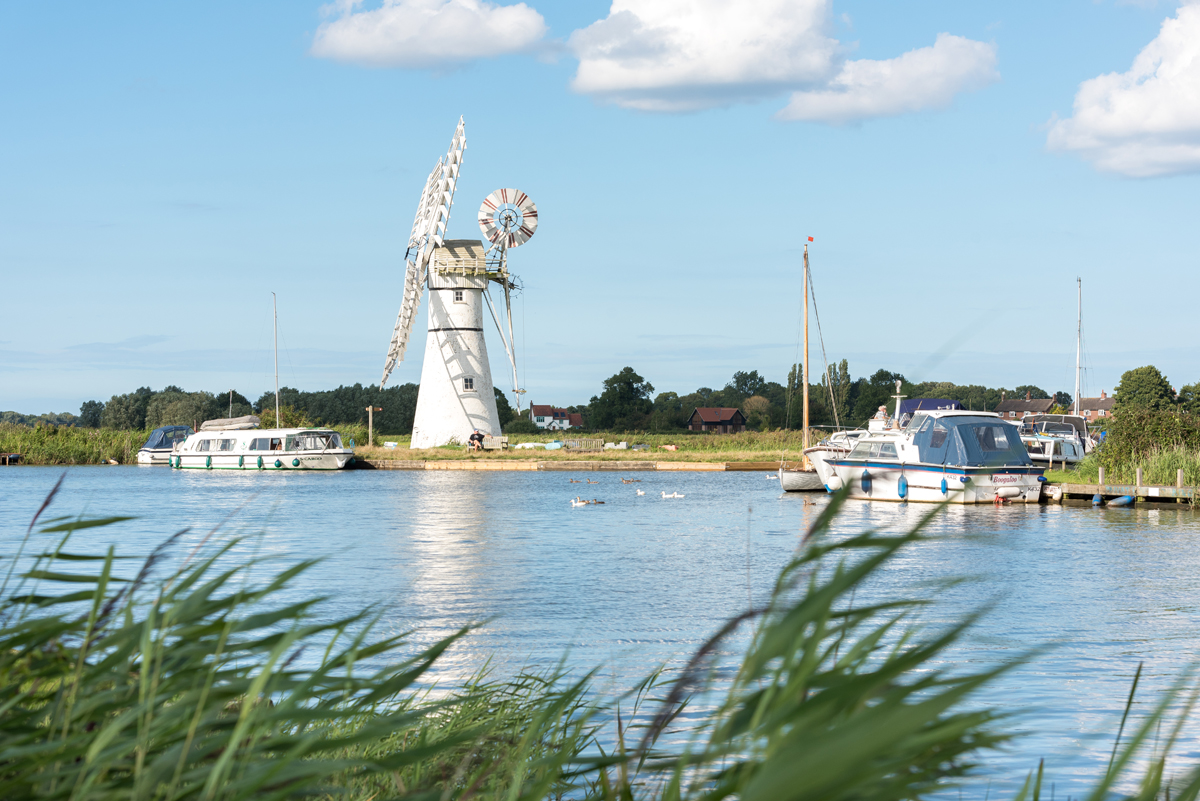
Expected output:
(10, 458)
(1139, 491)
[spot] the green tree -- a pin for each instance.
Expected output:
(183, 409)
(1035, 393)
(747, 384)
(758, 413)
(90, 413)
(1144, 387)
(1063, 399)
(624, 404)
(127, 412)
(504, 409)
(1188, 398)
(668, 412)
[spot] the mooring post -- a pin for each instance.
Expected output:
(1179, 478)
(1139, 477)
(1102, 476)
(371, 423)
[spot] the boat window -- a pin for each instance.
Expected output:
(336, 441)
(226, 444)
(204, 445)
(309, 441)
(861, 451)
(991, 438)
(886, 450)
(917, 421)
(258, 444)
(938, 438)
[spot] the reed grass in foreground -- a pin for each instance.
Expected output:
(184, 676)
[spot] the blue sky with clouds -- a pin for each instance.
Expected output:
(164, 168)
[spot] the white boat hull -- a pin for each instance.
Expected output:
(800, 481)
(269, 460)
(157, 456)
(935, 484)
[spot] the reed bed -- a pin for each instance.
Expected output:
(186, 675)
(61, 445)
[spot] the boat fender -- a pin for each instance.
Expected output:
(278, 463)
(1124, 500)
(350, 461)
(945, 489)
(1097, 500)
(964, 479)
(1008, 492)
(295, 463)
(241, 461)
(208, 462)
(902, 487)
(834, 484)
(866, 482)
(260, 463)
(1042, 478)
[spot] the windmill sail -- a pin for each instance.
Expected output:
(428, 232)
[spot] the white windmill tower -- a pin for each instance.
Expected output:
(456, 394)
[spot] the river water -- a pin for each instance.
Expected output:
(641, 581)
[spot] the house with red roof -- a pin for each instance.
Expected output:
(719, 420)
(554, 419)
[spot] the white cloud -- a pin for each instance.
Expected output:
(1144, 122)
(926, 78)
(427, 33)
(683, 55)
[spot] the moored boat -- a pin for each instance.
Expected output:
(263, 449)
(956, 456)
(160, 443)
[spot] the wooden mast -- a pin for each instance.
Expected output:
(805, 363)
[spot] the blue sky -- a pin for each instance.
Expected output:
(164, 168)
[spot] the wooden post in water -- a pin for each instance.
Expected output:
(1101, 476)
(1138, 480)
(371, 423)
(1179, 478)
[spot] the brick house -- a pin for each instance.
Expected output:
(552, 419)
(1093, 409)
(719, 420)
(1018, 408)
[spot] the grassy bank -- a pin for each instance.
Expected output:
(1159, 466)
(196, 674)
(748, 446)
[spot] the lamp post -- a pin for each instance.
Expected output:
(371, 423)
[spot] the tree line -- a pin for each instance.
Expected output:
(626, 402)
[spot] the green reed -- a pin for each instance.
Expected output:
(62, 445)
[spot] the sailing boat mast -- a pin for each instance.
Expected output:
(805, 363)
(275, 309)
(1078, 339)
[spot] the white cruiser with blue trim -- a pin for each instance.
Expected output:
(940, 455)
(263, 449)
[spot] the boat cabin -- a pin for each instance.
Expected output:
(944, 437)
(166, 437)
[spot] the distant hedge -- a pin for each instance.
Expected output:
(1135, 433)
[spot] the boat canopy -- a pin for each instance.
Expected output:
(231, 424)
(914, 405)
(967, 441)
(166, 437)
(1077, 423)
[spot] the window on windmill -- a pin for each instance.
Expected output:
(468, 383)
(458, 296)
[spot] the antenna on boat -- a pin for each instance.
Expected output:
(275, 308)
(1078, 339)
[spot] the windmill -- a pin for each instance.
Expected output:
(456, 395)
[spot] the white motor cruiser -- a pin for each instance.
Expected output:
(943, 455)
(234, 445)
(1055, 438)
(161, 443)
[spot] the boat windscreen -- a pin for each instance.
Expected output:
(167, 436)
